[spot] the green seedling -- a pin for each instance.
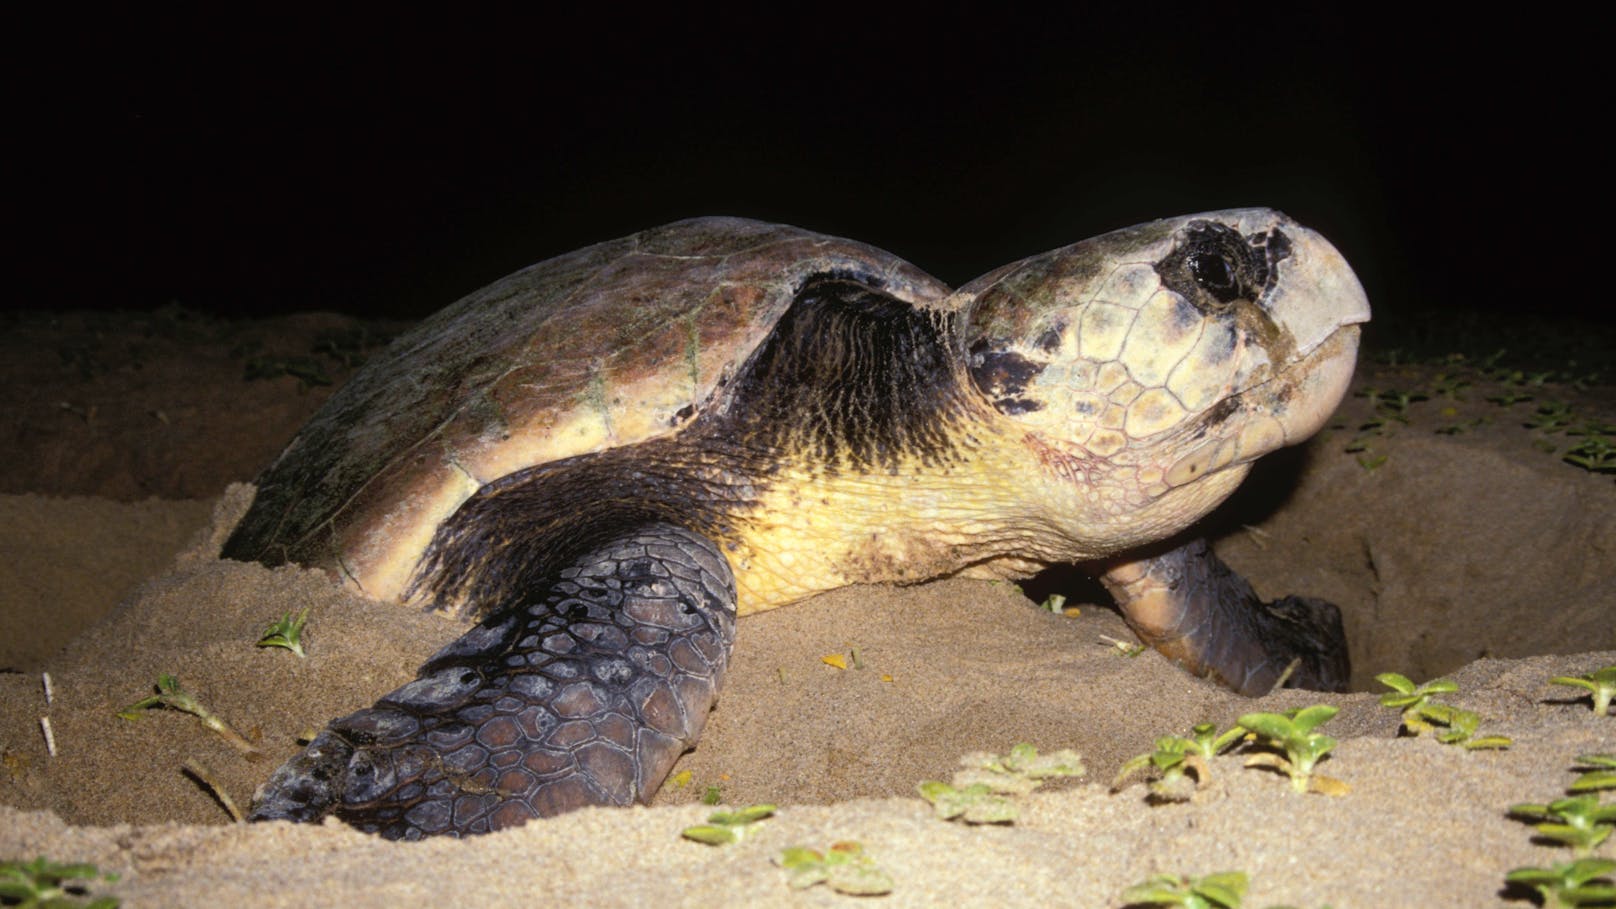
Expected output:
(725, 827)
(1390, 403)
(845, 867)
(1461, 728)
(973, 804)
(1574, 884)
(1448, 724)
(40, 884)
(1055, 602)
(1601, 684)
(1176, 757)
(1292, 734)
(1551, 417)
(1371, 462)
(978, 793)
(1411, 700)
(1448, 385)
(1128, 649)
(1596, 772)
(1222, 890)
(1580, 821)
(711, 796)
(1020, 771)
(171, 696)
(1592, 428)
(1509, 399)
(287, 633)
(1594, 454)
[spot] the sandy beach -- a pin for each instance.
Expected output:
(1473, 553)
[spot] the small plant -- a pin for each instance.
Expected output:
(1551, 417)
(40, 884)
(725, 827)
(973, 804)
(1128, 649)
(1601, 684)
(1292, 733)
(1448, 385)
(1450, 725)
(287, 633)
(1020, 771)
(1580, 821)
(977, 795)
(171, 696)
(845, 867)
(1412, 700)
(1594, 454)
(1222, 890)
(1176, 757)
(1461, 728)
(1579, 883)
(1597, 772)
(1394, 403)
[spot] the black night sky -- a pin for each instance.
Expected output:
(386, 163)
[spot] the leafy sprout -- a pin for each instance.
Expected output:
(171, 696)
(1594, 454)
(287, 633)
(1296, 747)
(845, 867)
(1580, 821)
(1597, 772)
(1448, 724)
(978, 793)
(1413, 700)
(1579, 883)
(1601, 684)
(40, 884)
(1222, 890)
(1176, 757)
(725, 827)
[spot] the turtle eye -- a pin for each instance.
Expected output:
(1215, 273)
(1212, 266)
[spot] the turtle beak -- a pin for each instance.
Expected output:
(1319, 294)
(1320, 304)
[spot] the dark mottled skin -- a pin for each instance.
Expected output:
(1245, 644)
(586, 695)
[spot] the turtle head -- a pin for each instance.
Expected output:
(1146, 368)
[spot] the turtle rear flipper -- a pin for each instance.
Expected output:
(1192, 607)
(585, 694)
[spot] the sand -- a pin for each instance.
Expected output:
(1474, 554)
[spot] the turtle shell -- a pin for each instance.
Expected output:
(608, 346)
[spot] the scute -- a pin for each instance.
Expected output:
(608, 346)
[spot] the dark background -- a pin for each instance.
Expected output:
(384, 163)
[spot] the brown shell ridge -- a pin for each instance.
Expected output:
(851, 381)
(563, 357)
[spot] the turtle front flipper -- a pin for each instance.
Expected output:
(585, 694)
(1189, 605)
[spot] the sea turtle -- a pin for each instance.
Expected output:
(606, 457)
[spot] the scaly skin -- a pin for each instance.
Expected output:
(1191, 607)
(585, 696)
(607, 455)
